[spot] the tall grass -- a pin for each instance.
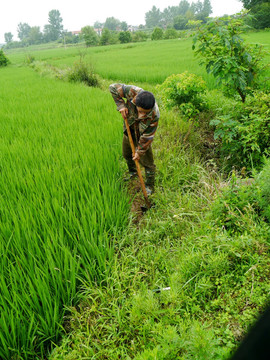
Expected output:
(61, 204)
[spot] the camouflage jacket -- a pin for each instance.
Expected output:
(143, 127)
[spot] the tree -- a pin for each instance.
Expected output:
(112, 23)
(153, 17)
(35, 35)
(233, 63)
(169, 14)
(180, 22)
(8, 37)
(201, 10)
(23, 31)
(105, 37)
(248, 4)
(90, 36)
(124, 26)
(157, 34)
(125, 37)
(183, 7)
(54, 29)
(261, 16)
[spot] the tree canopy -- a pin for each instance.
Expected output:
(248, 4)
(53, 30)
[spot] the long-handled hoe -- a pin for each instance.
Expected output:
(148, 205)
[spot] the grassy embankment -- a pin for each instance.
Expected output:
(218, 279)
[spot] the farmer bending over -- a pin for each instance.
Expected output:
(141, 110)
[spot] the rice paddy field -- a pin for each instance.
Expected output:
(62, 204)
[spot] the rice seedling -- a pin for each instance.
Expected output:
(61, 203)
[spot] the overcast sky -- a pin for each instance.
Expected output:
(79, 13)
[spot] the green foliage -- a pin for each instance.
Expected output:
(139, 36)
(53, 30)
(106, 37)
(153, 17)
(8, 37)
(218, 282)
(233, 63)
(90, 36)
(4, 61)
(263, 182)
(112, 23)
(29, 59)
(249, 4)
(180, 22)
(261, 16)
(245, 131)
(23, 31)
(171, 34)
(236, 206)
(157, 34)
(83, 72)
(125, 37)
(184, 91)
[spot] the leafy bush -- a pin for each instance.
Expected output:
(245, 131)
(82, 72)
(171, 34)
(184, 91)
(225, 54)
(4, 61)
(263, 180)
(29, 59)
(125, 37)
(157, 34)
(235, 206)
(139, 36)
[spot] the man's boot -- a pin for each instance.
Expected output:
(150, 181)
(132, 171)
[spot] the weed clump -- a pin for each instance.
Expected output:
(82, 72)
(264, 192)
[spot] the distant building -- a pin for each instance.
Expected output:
(98, 30)
(133, 28)
(78, 32)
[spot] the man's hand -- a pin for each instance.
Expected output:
(136, 156)
(124, 112)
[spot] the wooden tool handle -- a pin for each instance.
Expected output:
(137, 164)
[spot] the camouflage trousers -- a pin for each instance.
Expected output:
(147, 161)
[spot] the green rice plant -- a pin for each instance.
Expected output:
(61, 204)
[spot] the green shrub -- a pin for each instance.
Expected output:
(82, 72)
(4, 61)
(237, 204)
(29, 59)
(225, 54)
(138, 36)
(185, 92)
(263, 180)
(157, 34)
(245, 131)
(125, 37)
(171, 34)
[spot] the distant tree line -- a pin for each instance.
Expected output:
(33, 35)
(164, 24)
(260, 11)
(177, 17)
